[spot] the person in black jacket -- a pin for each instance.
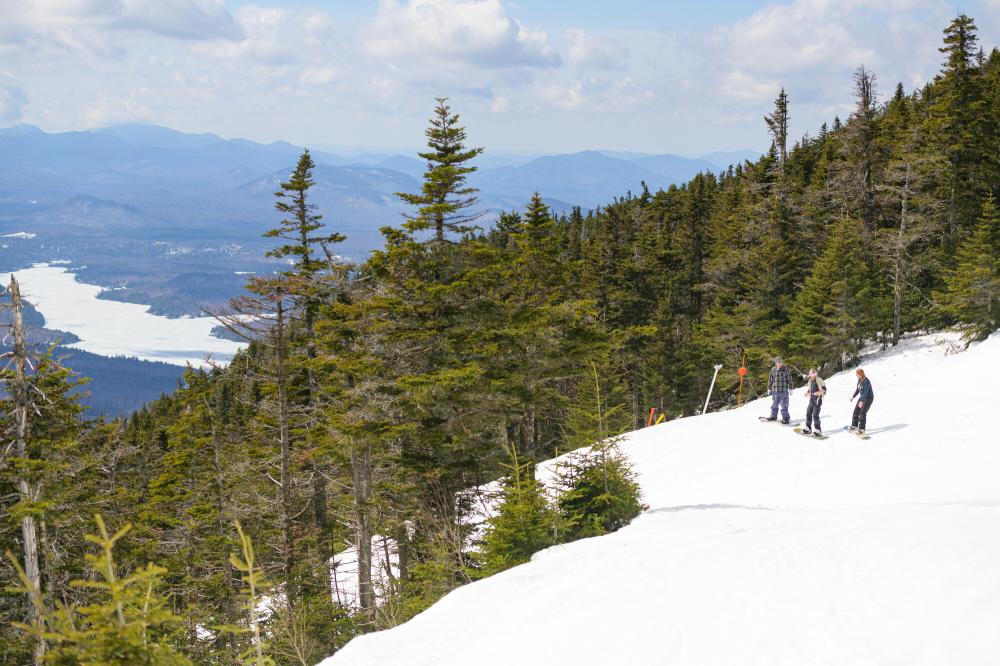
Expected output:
(865, 395)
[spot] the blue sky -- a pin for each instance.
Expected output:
(530, 76)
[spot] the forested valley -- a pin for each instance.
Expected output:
(373, 399)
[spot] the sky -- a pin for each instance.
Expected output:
(531, 76)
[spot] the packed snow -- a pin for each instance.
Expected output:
(110, 328)
(763, 546)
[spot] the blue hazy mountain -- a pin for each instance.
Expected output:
(159, 137)
(138, 179)
(588, 179)
(722, 159)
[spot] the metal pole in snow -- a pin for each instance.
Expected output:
(707, 397)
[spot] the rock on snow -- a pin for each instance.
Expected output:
(764, 547)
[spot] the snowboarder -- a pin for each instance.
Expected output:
(865, 395)
(815, 390)
(779, 383)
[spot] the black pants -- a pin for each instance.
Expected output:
(861, 415)
(812, 413)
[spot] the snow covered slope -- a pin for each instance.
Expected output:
(764, 547)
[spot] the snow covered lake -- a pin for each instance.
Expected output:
(110, 328)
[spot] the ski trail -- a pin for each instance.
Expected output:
(763, 548)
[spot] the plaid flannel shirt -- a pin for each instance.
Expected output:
(779, 380)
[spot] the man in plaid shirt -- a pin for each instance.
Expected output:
(779, 383)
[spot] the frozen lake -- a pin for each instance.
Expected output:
(110, 328)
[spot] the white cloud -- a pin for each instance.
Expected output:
(318, 75)
(812, 47)
(281, 70)
(739, 85)
(110, 111)
(13, 99)
(89, 26)
(274, 36)
(568, 97)
(473, 31)
(585, 50)
(183, 19)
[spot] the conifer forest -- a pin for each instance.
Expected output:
(376, 401)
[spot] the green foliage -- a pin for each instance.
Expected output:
(599, 410)
(524, 522)
(972, 294)
(125, 620)
(444, 200)
(254, 584)
(393, 386)
(301, 222)
(598, 491)
(831, 313)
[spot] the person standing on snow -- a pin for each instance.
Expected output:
(815, 390)
(865, 395)
(779, 383)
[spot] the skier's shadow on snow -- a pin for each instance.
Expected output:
(888, 428)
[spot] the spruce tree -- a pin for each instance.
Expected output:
(524, 522)
(298, 228)
(445, 201)
(125, 620)
(777, 125)
(972, 294)
(831, 315)
(955, 118)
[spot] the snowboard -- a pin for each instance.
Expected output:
(854, 431)
(809, 434)
(764, 419)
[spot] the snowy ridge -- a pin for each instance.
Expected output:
(764, 547)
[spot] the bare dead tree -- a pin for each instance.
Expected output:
(262, 316)
(907, 183)
(29, 490)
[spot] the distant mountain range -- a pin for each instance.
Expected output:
(174, 220)
(144, 181)
(144, 184)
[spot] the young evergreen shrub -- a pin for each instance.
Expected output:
(598, 491)
(525, 523)
(125, 622)
(254, 584)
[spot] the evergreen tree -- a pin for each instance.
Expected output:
(523, 525)
(126, 620)
(598, 491)
(972, 293)
(777, 125)
(955, 119)
(445, 200)
(831, 315)
(298, 228)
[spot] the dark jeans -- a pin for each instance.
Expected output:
(779, 399)
(812, 413)
(861, 415)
